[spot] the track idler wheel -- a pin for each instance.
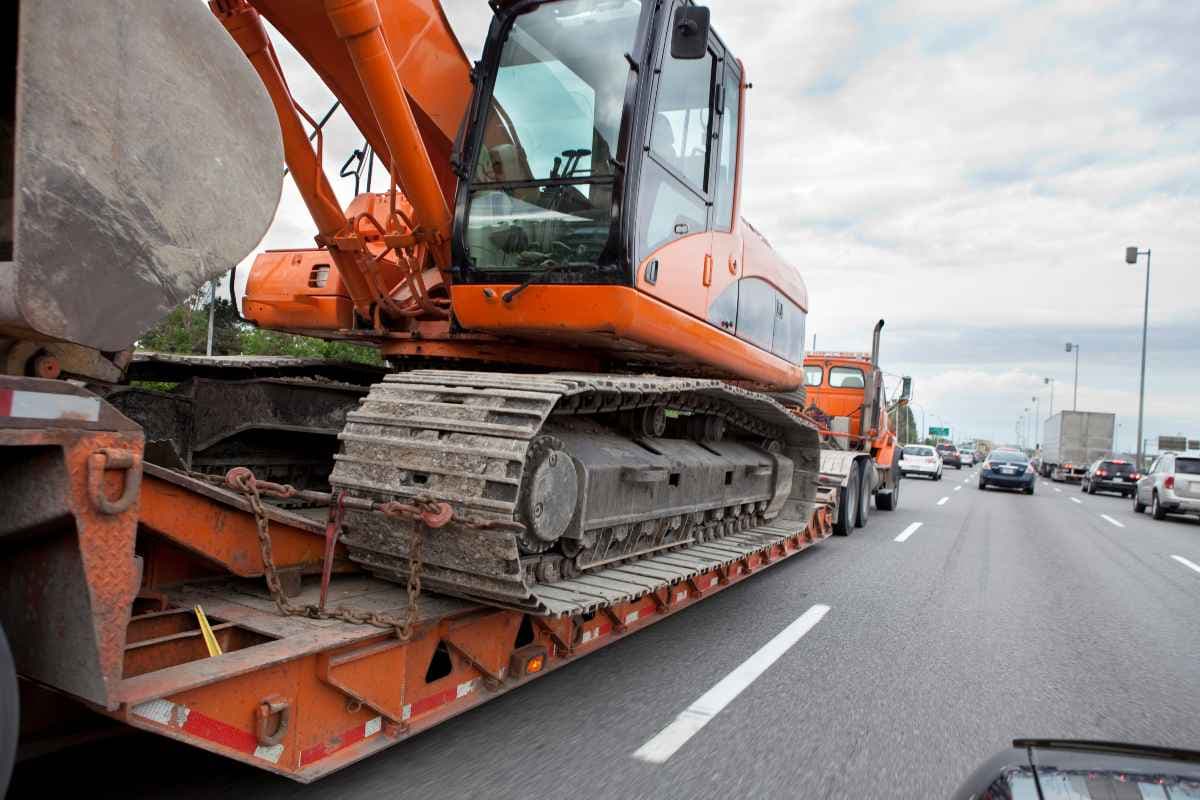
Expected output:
(549, 494)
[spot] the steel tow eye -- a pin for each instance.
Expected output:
(108, 458)
(270, 708)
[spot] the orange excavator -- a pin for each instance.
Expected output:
(559, 218)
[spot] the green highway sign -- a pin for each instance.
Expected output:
(939, 431)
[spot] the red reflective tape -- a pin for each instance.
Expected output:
(434, 700)
(220, 732)
(6, 398)
(319, 751)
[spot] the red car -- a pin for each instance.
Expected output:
(950, 456)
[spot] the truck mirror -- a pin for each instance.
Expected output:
(689, 34)
(1131, 255)
(906, 388)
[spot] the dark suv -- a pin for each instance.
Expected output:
(1110, 475)
(950, 456)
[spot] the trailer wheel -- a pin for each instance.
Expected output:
(847, 506)
(9, 713)
(864, 496)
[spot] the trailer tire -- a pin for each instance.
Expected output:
(847, 519)
(864, 496)
(10, 706)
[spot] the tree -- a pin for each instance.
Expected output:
(904, 424)
(185, 330)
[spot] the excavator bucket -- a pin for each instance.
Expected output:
(139, 158)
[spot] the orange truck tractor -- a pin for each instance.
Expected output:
(858, 448)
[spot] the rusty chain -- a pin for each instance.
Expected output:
(424, 512)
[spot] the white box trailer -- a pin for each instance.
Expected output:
(1072, 440)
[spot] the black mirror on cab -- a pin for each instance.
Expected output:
(689, 34)
(906, 388)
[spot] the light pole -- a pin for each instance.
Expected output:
(1131, 257)
(1037, 418)
(1075, 397)
(1050, 381)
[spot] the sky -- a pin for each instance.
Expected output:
(972, 173)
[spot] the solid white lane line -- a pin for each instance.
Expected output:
(1076, 500)
(1113, 521)
(664, 745)
(1189, 564)
(907, 532)
(958, 488)
(943, 501)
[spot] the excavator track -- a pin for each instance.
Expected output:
(572, 492)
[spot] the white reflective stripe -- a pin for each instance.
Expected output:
(373, 726)
(46, 405)
(464, 689)
(271, 753)
(160, 711)
(631, 617)
(406, 712)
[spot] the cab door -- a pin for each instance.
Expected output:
(727, 246)
(673, 237)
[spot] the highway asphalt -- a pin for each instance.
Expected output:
(999, 616)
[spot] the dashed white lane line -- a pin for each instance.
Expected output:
(943, 501)
(1058, 490)
(958, 488)
(1076, 500)
(966, 480)
(907, 532)
(664, 745)
(1189, 564)
(1113, 521)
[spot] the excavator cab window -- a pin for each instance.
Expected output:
(541, 189)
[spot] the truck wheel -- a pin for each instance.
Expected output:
(847, 506)
(9, 713)
(864, 497)
(1156, 509)
(888, 499)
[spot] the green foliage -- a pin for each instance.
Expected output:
(904, 423)
(185, 330)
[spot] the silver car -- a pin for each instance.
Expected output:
(1172, 486)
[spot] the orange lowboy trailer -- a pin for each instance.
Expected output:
(571, 202)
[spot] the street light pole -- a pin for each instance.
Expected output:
(1037, 419)
(1050, 381)
(1131, 257)
(1075, 397)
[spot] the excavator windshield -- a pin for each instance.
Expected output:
(542, 185)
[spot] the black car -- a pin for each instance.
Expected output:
(1110, 475)
(1008, 469)
(950, 456)
(1062, 769)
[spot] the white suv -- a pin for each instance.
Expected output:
(920, 459)
(1172, 486)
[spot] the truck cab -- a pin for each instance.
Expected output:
(844, 396)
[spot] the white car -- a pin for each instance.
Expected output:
(967, 457)
(920, 459)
